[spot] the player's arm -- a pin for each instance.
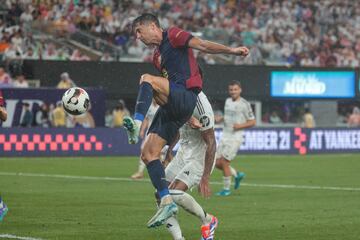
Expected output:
(209, 138)
(247, 124)
(216, 48)
(3, 114)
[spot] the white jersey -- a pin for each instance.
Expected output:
(189, 162)
(191, 140)
(238, 111)
(151, 112)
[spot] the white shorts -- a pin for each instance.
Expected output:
(186, 167)
(228, 148)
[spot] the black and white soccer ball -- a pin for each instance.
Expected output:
(76, 101)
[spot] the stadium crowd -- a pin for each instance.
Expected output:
(279, 32)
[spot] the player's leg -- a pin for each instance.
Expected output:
(3, 209)
(187, 177)
(139, 174)
(238, 176)
(226, 152)
(150, 86)
(224, 165)
(150, 155)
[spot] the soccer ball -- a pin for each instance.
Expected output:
(75, 101)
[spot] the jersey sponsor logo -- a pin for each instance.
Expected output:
(164, 73)
(205, 121)
(187, 173)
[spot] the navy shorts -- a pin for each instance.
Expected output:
(175, 113)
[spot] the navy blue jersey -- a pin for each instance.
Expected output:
(176, 61)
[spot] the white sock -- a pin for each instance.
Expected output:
(1, 204)
(172, 225)
(141, 167)
(233, 171)
(188, 203)
(227, 182)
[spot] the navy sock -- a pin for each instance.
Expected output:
(157, 175)
(143, 101)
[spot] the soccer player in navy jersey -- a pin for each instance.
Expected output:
(176, 93)
(3, 117)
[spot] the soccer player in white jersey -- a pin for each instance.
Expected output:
(192, 166)
(238, 115)
(146, 124)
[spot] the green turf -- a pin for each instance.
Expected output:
(59, 208)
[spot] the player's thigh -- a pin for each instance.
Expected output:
(228, 149)
(174, 167)
(164, 126)
(190, 174)
(151, 149)
(161, 88)
(178, 185)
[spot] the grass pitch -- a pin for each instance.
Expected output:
(281, 198)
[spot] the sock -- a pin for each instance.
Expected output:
(143, 101)
(1, 203)
(172, 225)
(157, 175)
(141, 166)
(189, 204)
(227, 182)
(233, 171)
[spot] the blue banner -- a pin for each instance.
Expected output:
(113, 142)
(316, 84)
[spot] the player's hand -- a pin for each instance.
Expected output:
(145, 77)
(237, 126)
(194, 123)
(240, 51)
(204, 188)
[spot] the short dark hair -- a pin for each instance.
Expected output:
(145, 18)
(235, 82)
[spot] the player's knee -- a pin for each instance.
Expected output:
(218, 163)
(148, 155)
(146, 78)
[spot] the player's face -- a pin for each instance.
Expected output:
(234, 91)
(145, 33)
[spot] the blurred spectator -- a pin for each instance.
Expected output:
(5, 79)
(106, 57)
(274, 118)
(354, 118)
(50, 52)
(27, 117)
(21, 82)
(42, 116)
(108, 119)
(62, 55)
(85, 120)
(119, 113)
(78, 56)
(58, 116)
(65, 81)
(30, 54)
(308, 119)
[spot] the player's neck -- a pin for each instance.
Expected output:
(159, 37)
(236, 99)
